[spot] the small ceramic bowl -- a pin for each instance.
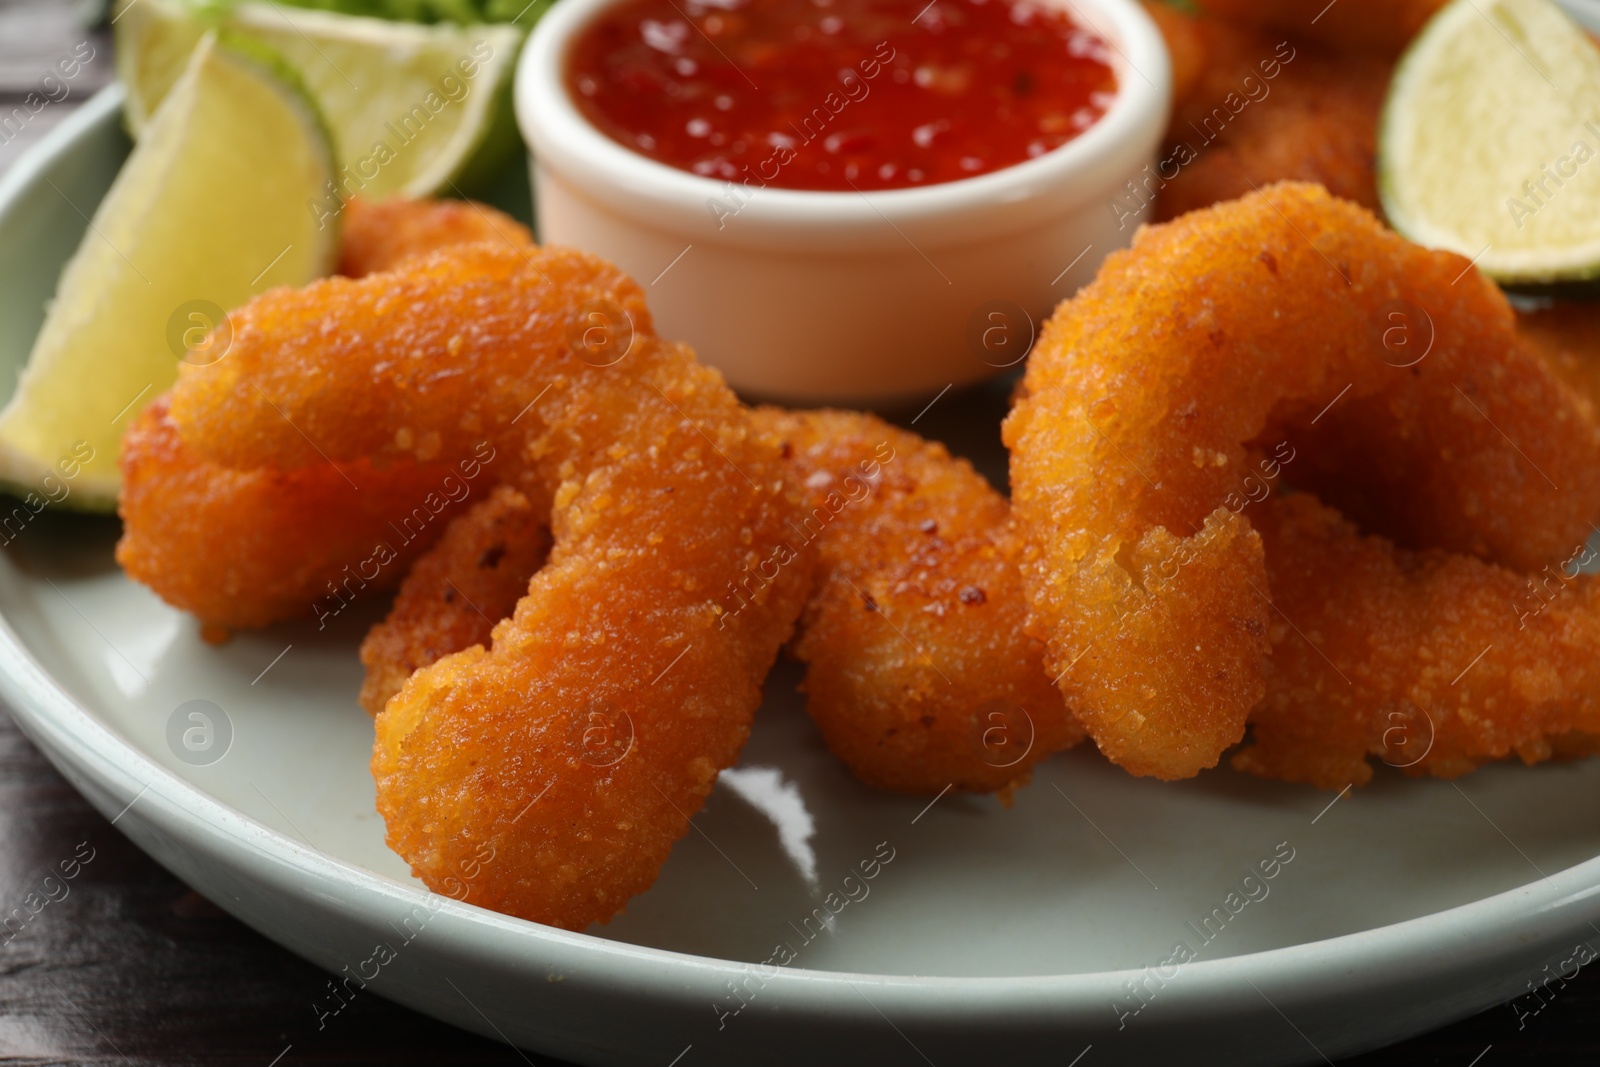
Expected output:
(846, 297)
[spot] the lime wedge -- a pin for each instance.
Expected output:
(465, 12)
(1489, 143)
(209, 210)
(414, 108)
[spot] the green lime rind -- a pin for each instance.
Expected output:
(427, 12)
(499, 146)
(1489, 141)
(460, 12)
(415, 110)
(272, 65)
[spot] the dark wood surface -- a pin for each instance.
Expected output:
(128, 966)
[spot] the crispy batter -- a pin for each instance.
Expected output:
(456, 592)
(575, 749)
(1363, 27)
(434, 340)
(379, 234)
(919, 674)
(1152, 413)
(1430, 661)
(1564, 337)
(934, 685)
(1250, 108)
(241, 549)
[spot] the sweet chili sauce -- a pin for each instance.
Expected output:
(840, 94)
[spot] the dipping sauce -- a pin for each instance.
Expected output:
(840, 94)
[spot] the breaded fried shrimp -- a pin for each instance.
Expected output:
(1431, 661)
(1170, 385)
(241, 549)
(244, 548)
(919, 674)
(1255, 108)
(578, 745)
(455, 593)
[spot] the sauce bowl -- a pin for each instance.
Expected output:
(849, 297)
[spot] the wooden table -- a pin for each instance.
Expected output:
(133, 967)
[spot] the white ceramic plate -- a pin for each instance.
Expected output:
(990, 936)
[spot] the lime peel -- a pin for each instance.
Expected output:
(414, 109)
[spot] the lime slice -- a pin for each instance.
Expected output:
(414, 109)
(209, 210)
(1490, 141)
(465, 12)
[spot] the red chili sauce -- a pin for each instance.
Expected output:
(840, 94)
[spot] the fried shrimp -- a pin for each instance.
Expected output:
(918, 672)
(457, 591)
(1250, 109)
(1430, 661)
(581, 742)
(241, 549)
(379, 234)
(1564, 337)
(1175, 390)
(244, 548)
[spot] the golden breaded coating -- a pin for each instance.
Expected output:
(1429, 661)
(935, 685)
(445, 346)
(578, 746)
(919, 674)
(1362, 27)
(1157, 407)
(1252, 108)
(379, 234)
(1349, 468)
(241, 549)
(456, 592)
